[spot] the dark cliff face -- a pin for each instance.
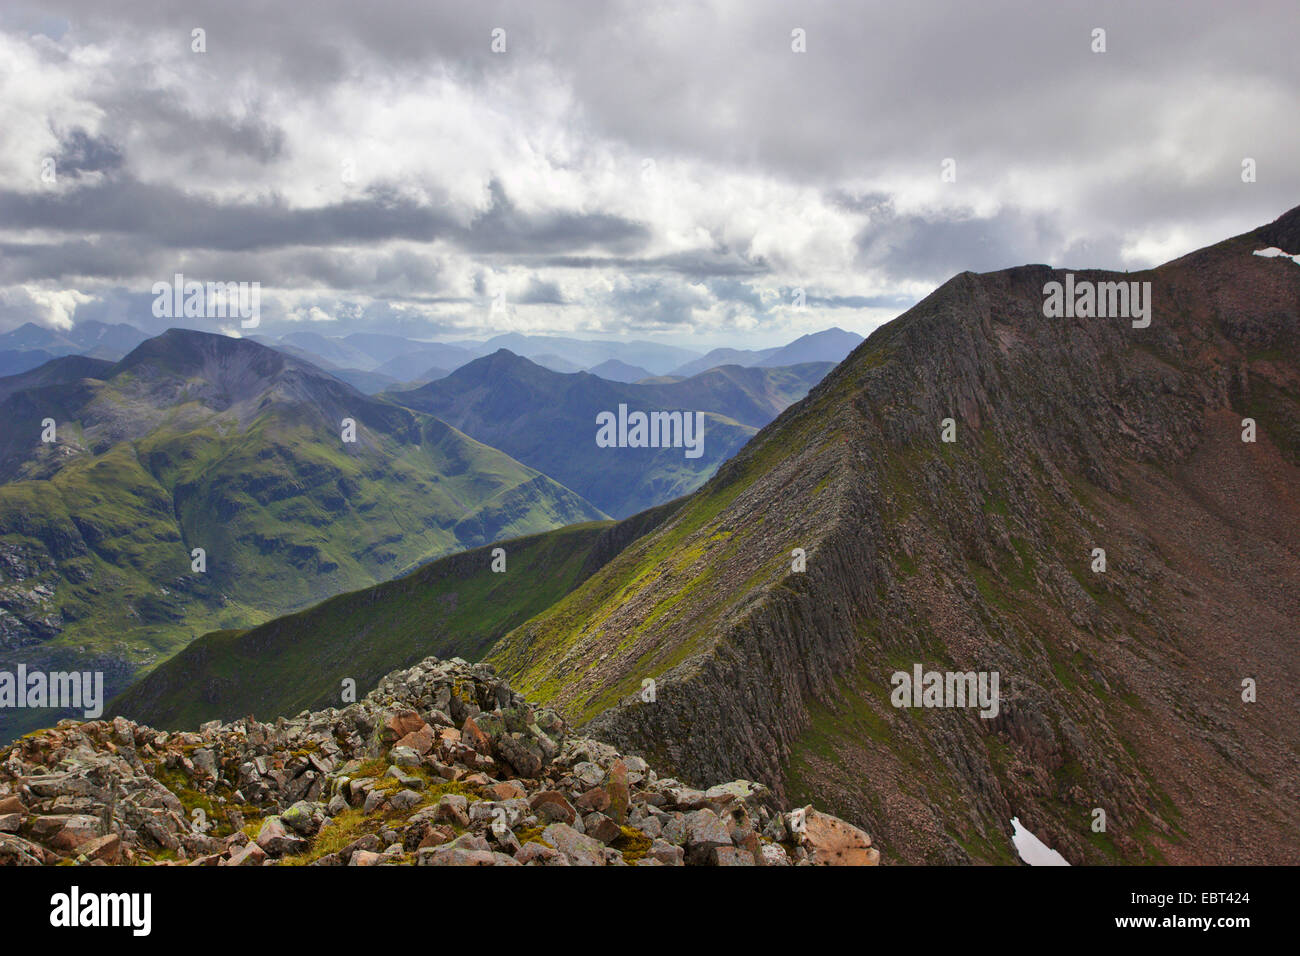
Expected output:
(1120, 690)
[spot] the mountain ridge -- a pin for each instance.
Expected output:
(1004, 520)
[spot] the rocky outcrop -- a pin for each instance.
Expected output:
(442, 765)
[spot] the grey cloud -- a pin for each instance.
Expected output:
(733, 290)
(899, 302)
(699, 264)
(937, 248)
(657, 303)
(541, 293)
(83, 153)
(504, 229)
(168, 216)
(882, 86)
(74, 259)
(169, 124)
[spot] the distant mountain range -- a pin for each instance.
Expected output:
(16, 361)
(615, 371)
(233, 445)
(549, 420)
(371, 363)
(584, 354)
(830, 345)
(203, 441)
(375, 362)
(31, 345)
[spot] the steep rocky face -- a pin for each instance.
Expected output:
(443, 765)
(1120, 690)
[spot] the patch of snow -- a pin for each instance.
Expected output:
(1272, 252)
(1033, 850)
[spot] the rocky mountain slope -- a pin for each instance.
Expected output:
(1124, 691)
(547, 420)
(202, 441)
(443, 765)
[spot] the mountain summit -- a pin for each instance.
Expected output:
(441, 765)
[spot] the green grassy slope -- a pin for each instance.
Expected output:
(675, 586)
(455, 606)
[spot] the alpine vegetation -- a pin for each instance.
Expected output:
(1098, 300)
(651, 430)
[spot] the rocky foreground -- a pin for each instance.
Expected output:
(441, 765)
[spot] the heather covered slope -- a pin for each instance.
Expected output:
(202, 441)
(1120, 690)
(456, 606)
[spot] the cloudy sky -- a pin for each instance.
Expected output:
(667, 171)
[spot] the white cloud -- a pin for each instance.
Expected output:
(53, 308)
